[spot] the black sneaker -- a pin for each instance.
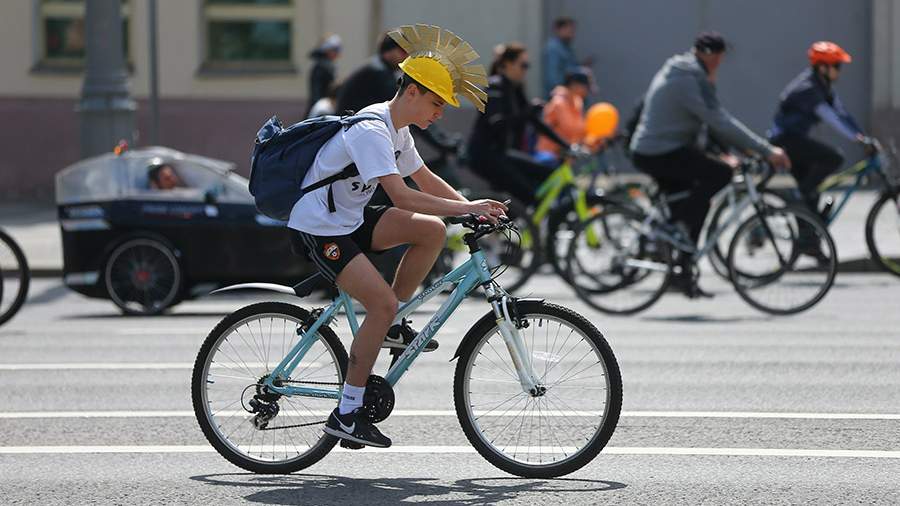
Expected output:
(686, 282)
(355, 427)
(401, 335)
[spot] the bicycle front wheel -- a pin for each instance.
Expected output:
(883, 232)
(15, 277)
(284, 434)
(719, 223)
(552, 432)
(782, 261)
(622, 270)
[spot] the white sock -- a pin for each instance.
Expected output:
(351, 398)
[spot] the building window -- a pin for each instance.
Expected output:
(249, 35)
(62, 36)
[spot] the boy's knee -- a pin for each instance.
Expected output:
(384, 307)
(433, 230)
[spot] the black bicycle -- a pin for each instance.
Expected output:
(14, 277)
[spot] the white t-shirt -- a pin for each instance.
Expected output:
(377, 150)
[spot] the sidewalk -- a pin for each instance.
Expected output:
(35, 228)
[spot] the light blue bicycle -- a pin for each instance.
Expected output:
(537, 388)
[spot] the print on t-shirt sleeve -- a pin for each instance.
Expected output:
(371, 149)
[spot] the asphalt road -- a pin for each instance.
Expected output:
(722, 404)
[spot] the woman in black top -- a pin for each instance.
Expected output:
(498, 146)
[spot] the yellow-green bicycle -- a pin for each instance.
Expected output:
(546, 229)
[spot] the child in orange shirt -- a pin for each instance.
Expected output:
(564, 113)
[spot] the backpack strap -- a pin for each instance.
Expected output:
(348, 171)
(349, 121)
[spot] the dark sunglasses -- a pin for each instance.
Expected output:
(836, 66)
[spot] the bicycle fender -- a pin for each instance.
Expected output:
(485, 320)
(271, 287)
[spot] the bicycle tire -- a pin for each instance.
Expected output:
(718, 255)
(200, 378)
(601, 294)
(483, 330)
(24, 273)
(559, 222)
(738, 275)
(878, 255)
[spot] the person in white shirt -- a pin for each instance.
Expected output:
(336, 225)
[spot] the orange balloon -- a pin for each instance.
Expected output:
(601, 121)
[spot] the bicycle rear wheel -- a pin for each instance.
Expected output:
(782, 261)
(883, 232)
(15, 277)
(625, 271)
(236, 357)
(546, 434)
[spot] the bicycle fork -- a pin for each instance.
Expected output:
(507, 318)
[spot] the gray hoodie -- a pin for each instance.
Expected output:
(678, 103)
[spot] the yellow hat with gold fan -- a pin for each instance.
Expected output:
(439, 60)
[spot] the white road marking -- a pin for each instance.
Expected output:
(450, 413)
(99, 366)
(125, 366)
(743, 452)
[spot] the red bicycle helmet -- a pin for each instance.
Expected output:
(827, 53)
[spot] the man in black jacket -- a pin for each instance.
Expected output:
(374, 82)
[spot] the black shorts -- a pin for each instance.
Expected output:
(331, 253)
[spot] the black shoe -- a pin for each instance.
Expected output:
(686, 283)
(356, 428)
(401, 335)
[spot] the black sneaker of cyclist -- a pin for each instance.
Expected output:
(808, 244)
(401, 335)
(355, 427)
(686, 281)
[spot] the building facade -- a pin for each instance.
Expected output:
(227, 65)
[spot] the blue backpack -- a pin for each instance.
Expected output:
(282, 157)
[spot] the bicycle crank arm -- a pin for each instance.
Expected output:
(646, 264)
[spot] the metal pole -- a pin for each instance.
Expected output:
(154, 75)
(106, 109)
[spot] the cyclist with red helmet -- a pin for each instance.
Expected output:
(806, 101)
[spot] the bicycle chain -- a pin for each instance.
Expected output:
(302, 424)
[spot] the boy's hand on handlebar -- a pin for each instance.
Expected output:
(779, 159)
(490, 209)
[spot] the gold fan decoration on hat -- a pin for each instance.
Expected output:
(439, 60)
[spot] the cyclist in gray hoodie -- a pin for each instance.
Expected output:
(682, 100)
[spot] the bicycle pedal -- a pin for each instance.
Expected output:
(350, 445)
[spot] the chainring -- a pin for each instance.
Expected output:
(378, 401)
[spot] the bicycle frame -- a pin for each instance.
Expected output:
(860, 170)
(466, 277)
(549, 191)
(737, 207)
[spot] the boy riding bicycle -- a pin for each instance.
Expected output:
(336, 225)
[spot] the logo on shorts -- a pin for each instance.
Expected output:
(331, 251)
